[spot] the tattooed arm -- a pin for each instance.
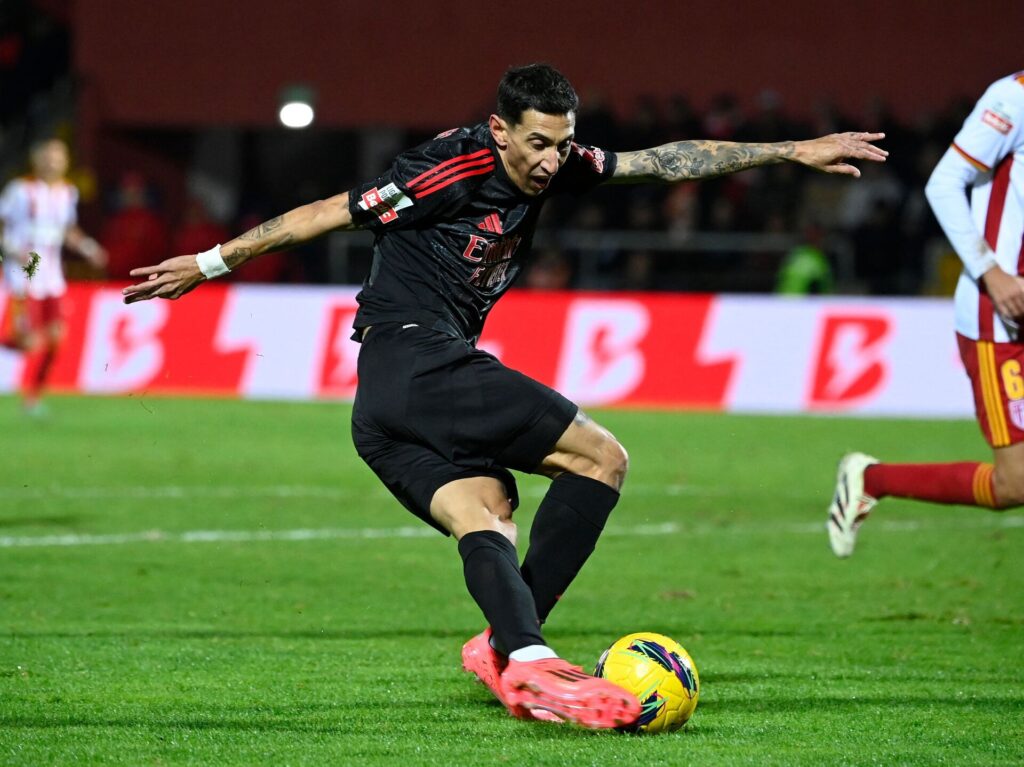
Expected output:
(176, 276)
(693, 160)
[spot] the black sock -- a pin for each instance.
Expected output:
(491, 567)
(565, 531)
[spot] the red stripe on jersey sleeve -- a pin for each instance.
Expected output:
(446, 164)
(423, 192)
(454, 170)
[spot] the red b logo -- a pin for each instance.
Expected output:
(850, 364)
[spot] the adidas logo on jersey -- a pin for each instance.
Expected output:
(491, 224)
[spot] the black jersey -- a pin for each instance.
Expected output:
(452, 229)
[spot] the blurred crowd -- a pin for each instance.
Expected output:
(873, 235)
(779, 228)
(136, 231)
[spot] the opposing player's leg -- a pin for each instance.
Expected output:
(17, 333)
(40, 360)
(862, 481)
(850, 503)
(997, 486)
(588, 466)
(1008, 477)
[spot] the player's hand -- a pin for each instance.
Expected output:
(1006, 292)
(830, 153)
(171, 279)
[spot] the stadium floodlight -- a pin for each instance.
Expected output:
(296, 110)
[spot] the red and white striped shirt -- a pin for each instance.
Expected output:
(985, 161)
(36, 216)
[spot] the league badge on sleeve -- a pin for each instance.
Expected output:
(998, 119)
(593, 156)
(385, 203)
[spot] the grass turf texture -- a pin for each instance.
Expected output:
(345, 650)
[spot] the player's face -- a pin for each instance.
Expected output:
(534, 149)
(50, 160)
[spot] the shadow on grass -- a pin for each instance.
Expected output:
(336, 720)
(352, 720)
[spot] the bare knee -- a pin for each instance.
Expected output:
(472, 505)
(588, 450)
(606, 461)
(613, 463)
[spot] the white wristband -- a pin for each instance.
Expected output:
(211, 264)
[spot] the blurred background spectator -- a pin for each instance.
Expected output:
(134, 233)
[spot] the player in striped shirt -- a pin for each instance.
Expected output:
(977, 194)
(440, 421)
(37, 218)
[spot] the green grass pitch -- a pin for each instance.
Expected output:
(220, 582)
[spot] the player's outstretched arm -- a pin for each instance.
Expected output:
(79, 241)
(694, 160)
(176, 276)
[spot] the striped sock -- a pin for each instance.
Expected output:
(966, 483)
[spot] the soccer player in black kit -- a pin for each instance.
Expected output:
(442, 422)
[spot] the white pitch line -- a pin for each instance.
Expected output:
(185, 492)
(396, 533)
(176, 492)
(216, 536)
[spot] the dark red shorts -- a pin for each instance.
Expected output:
(996, 371)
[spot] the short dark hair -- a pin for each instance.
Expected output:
(535, 86)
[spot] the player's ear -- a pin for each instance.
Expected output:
(499, 131)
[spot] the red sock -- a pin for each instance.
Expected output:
(966, 483)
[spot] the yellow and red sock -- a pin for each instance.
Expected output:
(968, 483)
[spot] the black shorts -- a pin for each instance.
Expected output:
(431, 409)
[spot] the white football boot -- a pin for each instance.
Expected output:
(850, 505)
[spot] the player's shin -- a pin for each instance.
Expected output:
(491, 568)
(565, 530)
(37, 372)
